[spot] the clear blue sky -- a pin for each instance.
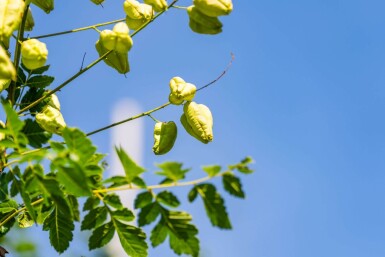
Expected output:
(305, 98)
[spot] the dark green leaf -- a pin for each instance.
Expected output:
(167, 198)
(116, 181)
(35, 134)
(172, 170)
(148, 214)
(159, 233)
(243, 166)
(32, 95)
(124, 215)
(101, 236)
(40, 81)
(232, 184)
(24, 195)
(212, 170)
(214, 205)
(91, 203)
(60, 227)
(74, 179)
(132, 239)
(94, 218)
(40, 70)
(131, 169)
(143, 199)
(73, 202)
(192, 195)
(113, 200)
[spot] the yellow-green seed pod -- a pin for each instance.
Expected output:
(214, 8)
(45, 5)
(51, 120)
(164, 137)
(117, 39)
(198, 121)
(53, 100)
(203, 24)
(4, 84)
(116, 60)
(158, 5)
(30, 22)
(11, 13)
(2, 135)
(97, 2)
(33, 54)
(181, 91)
(7, 70)
(137, 13)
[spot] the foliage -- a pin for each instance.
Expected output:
(42, 180)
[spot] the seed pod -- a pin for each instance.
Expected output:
(33, 54)
(137, 13)
(158, 5)
(7, 70)
(118, 39)
(203, 24)
(214, 8)
(52, 101)
(198, 121)
(181, 91)
(164, 137)
(30, 22)
(116, 60)
(51, 120)
(11, 13)
(97, 2)
(45, 5)
(4, 84)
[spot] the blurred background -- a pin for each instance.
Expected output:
(305, 97)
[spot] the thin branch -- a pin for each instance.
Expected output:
(79, 29)
(6, 219)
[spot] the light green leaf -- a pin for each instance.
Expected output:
(113, 200)
(212, 170)
(78, 143)
(243, 166)
(232, 185)
(131, 169)
(172, 170)
(124, 215)
(74, 179)
(101, 236)
(132, 239)
(159, 233)
(24, 220)
(8, 206)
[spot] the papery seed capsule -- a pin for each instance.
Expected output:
(116, 60)
(181, 91)
(7, 70)
(51, 120)
(11, 13)
(164, 137)
(137, 13)
(97, 2)
(30, 22)
(33, 54)
(198, 121)
(158, 5)
(203, 24)
(214, 8)
(117, 39)
(45, 5)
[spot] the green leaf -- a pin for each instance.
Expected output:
(124, 215)
(24, 220)
(101, 236)
(32, 95)
(116, 181)
(159, 233)
(24, 195)
(78, 143)
(143, 199)
(212, 170)
(94, 218)
(243, 166)
(113, 200)
(14, 126)
(74, 179)
(214, 205)
(132, 239)
(131, 169)
(232, 185)
(167, 198)
(36, 71)
(172, 170)
(192, 195)
(6, 227)
(73, 202)
(35, 134)
(8, 206)
(60, 227)
(40, 81)
(148, 214)
(91, 203)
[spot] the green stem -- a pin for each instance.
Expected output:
(6, 219)
(180, 7)
(16, 61)
(79, 29)
(88, 67)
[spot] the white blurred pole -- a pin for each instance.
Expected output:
(129, 136)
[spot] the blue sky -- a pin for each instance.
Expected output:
(304, 97)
